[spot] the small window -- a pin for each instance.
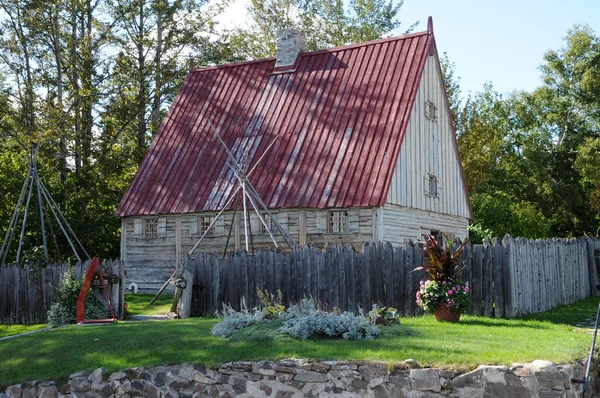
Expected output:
(430, 111)
(338, 221)
(270, 223)
(151, 227)
(433, 186)
(205, 223)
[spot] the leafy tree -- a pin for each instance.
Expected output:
(328, 23)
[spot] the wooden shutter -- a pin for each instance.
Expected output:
(193, 221)
(138, 227)
(283, 220)
(162, 227)
(322, 221)
(353, 220)
(255, 223)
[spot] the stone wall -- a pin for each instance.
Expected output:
(299, 378)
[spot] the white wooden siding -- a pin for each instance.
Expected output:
(429, 148)
(400, 223)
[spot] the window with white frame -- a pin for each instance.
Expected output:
(430, 111)
(337, 221)
(150, 227)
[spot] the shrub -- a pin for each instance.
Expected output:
(305, 319)
(63, 310)
(230, 320)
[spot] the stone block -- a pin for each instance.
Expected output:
(30, 392)
(123, 388)
(516, 386)
(370, 372)
(425, 379)
(264, 368)
(359, 384)
(97, 376)
(242, 366)
(472, 379)
(284, 377)
(80, 384)
(320, 367)
(107, 390)
(83, 373)
(204, 379)
(48, 392)
(308, 376)
(266, 388)
(238, 385)
(117, 376)
(187, 372)
(285, 369)
(400, 379)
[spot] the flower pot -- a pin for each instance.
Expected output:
(445, 314)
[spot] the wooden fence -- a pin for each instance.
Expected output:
(507, 278)
(26, 292)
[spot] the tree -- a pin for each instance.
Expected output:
(328, 23)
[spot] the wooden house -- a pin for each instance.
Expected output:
(357, 144)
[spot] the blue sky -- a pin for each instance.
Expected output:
(502, 42)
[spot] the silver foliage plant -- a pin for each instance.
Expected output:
(300, 321)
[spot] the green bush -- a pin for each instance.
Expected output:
(63, 310)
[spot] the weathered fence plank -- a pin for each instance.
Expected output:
(28, 291)
(507, 278)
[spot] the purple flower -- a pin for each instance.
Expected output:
(467, 290)
(444, 283)
(450, 292)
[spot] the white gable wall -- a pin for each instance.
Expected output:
(428, 150)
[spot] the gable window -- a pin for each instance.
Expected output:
(151, 227)
(433, 185)
(430, 111)
(337, 221)
(205, 223)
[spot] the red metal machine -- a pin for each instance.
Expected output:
(94, 272)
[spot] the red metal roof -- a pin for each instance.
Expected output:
(340, 118)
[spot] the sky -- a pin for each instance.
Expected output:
(502, 42)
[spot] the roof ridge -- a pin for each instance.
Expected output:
(317, 52)
(366, 43)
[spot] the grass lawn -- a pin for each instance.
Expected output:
(138, 304)
(9, 330)
(475, 340)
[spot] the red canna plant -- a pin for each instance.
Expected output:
(441, 263)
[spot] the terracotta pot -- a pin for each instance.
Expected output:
(445, 314)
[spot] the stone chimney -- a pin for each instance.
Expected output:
(290, 42)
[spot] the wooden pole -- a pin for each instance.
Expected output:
(15, 217)
(24, 221)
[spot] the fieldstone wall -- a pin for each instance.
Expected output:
(299, 378)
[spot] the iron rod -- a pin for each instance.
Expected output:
(589, 364)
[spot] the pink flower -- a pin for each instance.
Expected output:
(444, 283)
(467, 290)
(418, 295)
(450, 292)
